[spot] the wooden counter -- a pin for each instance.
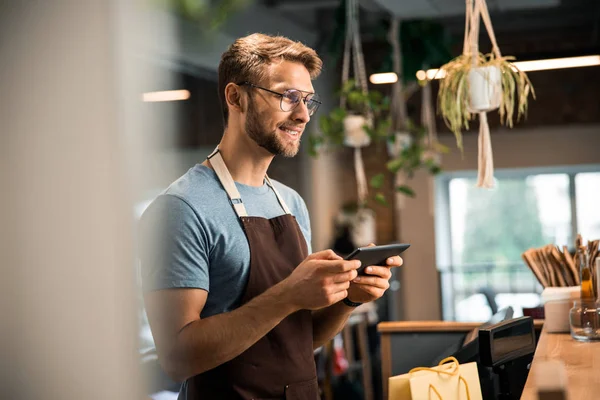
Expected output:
(581, 361)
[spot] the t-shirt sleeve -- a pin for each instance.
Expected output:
(174, 249)
(304, 222)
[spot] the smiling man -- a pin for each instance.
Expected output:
(236, 301)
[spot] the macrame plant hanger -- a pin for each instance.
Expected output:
(428, 121)
(353, 50)
(428, 116)
(398, 110)
(474, 10)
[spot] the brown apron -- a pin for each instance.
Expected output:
(281, 364)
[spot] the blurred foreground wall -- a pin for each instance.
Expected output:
(68, 323)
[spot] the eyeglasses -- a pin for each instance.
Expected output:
(292, 97)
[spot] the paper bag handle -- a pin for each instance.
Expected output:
(454, 372)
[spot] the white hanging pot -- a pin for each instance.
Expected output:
(362, 230)
(402, 140)
(485, 88)
(354, 133)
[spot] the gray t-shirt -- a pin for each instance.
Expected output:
(191, 236)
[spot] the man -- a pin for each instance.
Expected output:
(235, 302)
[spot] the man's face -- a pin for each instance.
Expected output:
(278, 131)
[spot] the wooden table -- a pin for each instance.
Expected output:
(581, 361)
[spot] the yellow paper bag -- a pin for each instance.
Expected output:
(447, 381)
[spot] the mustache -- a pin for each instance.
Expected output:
(291, 126)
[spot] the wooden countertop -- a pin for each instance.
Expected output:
(581, 361)
(436, 326)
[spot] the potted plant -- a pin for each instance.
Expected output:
(412, 155)
(473, 86)
(349, 126)
(406, 153)
(474, 83)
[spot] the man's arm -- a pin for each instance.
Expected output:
(328, 322)
(188, 345)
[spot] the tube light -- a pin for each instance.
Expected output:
(536, 65)
(386, 77)
(558, 63)
(167, 95)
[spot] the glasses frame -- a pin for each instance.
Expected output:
(282, 95)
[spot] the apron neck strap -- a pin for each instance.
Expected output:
(216, 160)
(279, 198)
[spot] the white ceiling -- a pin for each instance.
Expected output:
(411, 9)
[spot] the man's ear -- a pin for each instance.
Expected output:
(234, 97)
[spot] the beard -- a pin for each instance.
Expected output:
(268, 140)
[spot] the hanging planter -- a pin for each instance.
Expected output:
(363, 228)
(355, 134)
(367, 117)
(401, 140)
(474, 84)
(485, 89)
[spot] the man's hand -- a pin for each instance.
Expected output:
(373, 285)
(321, 280)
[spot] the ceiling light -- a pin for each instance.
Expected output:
(167, 95)
(387, 77)
(558, 63)
(536, 65)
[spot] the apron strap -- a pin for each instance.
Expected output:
(227, 181)
(216, 160)
(279, 198)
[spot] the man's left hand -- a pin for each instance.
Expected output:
(369, 287)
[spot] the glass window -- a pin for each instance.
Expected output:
(488, 231)
(587, 193)
(496, 226)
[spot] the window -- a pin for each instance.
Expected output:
(481, 234)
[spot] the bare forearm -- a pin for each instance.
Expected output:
(207, 343)
(328, 322)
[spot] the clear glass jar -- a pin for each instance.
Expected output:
(584, 320)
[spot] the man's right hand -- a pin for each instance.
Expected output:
(321, 280)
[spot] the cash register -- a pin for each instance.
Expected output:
(503, 351)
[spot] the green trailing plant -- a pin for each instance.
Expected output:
(331, 126)
(454, 95)
(417, 155)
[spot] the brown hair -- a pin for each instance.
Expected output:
(246, 58)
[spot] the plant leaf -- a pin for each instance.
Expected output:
(440, 148)
(395, 165)
(435, 169)
(325, 124)
(377, 181)
(380, 198)
(404, 189)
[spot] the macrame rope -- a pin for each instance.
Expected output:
(485, 170)
(454, 371)
(347, 51)
(487, 21)
(361, 178)
(476, 9)
(398, 110)
(468, 12)
(474, 34)
(428, 114)
(353, 54)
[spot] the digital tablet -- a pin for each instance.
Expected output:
(376, 255)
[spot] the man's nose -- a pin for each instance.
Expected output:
(300, 113)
